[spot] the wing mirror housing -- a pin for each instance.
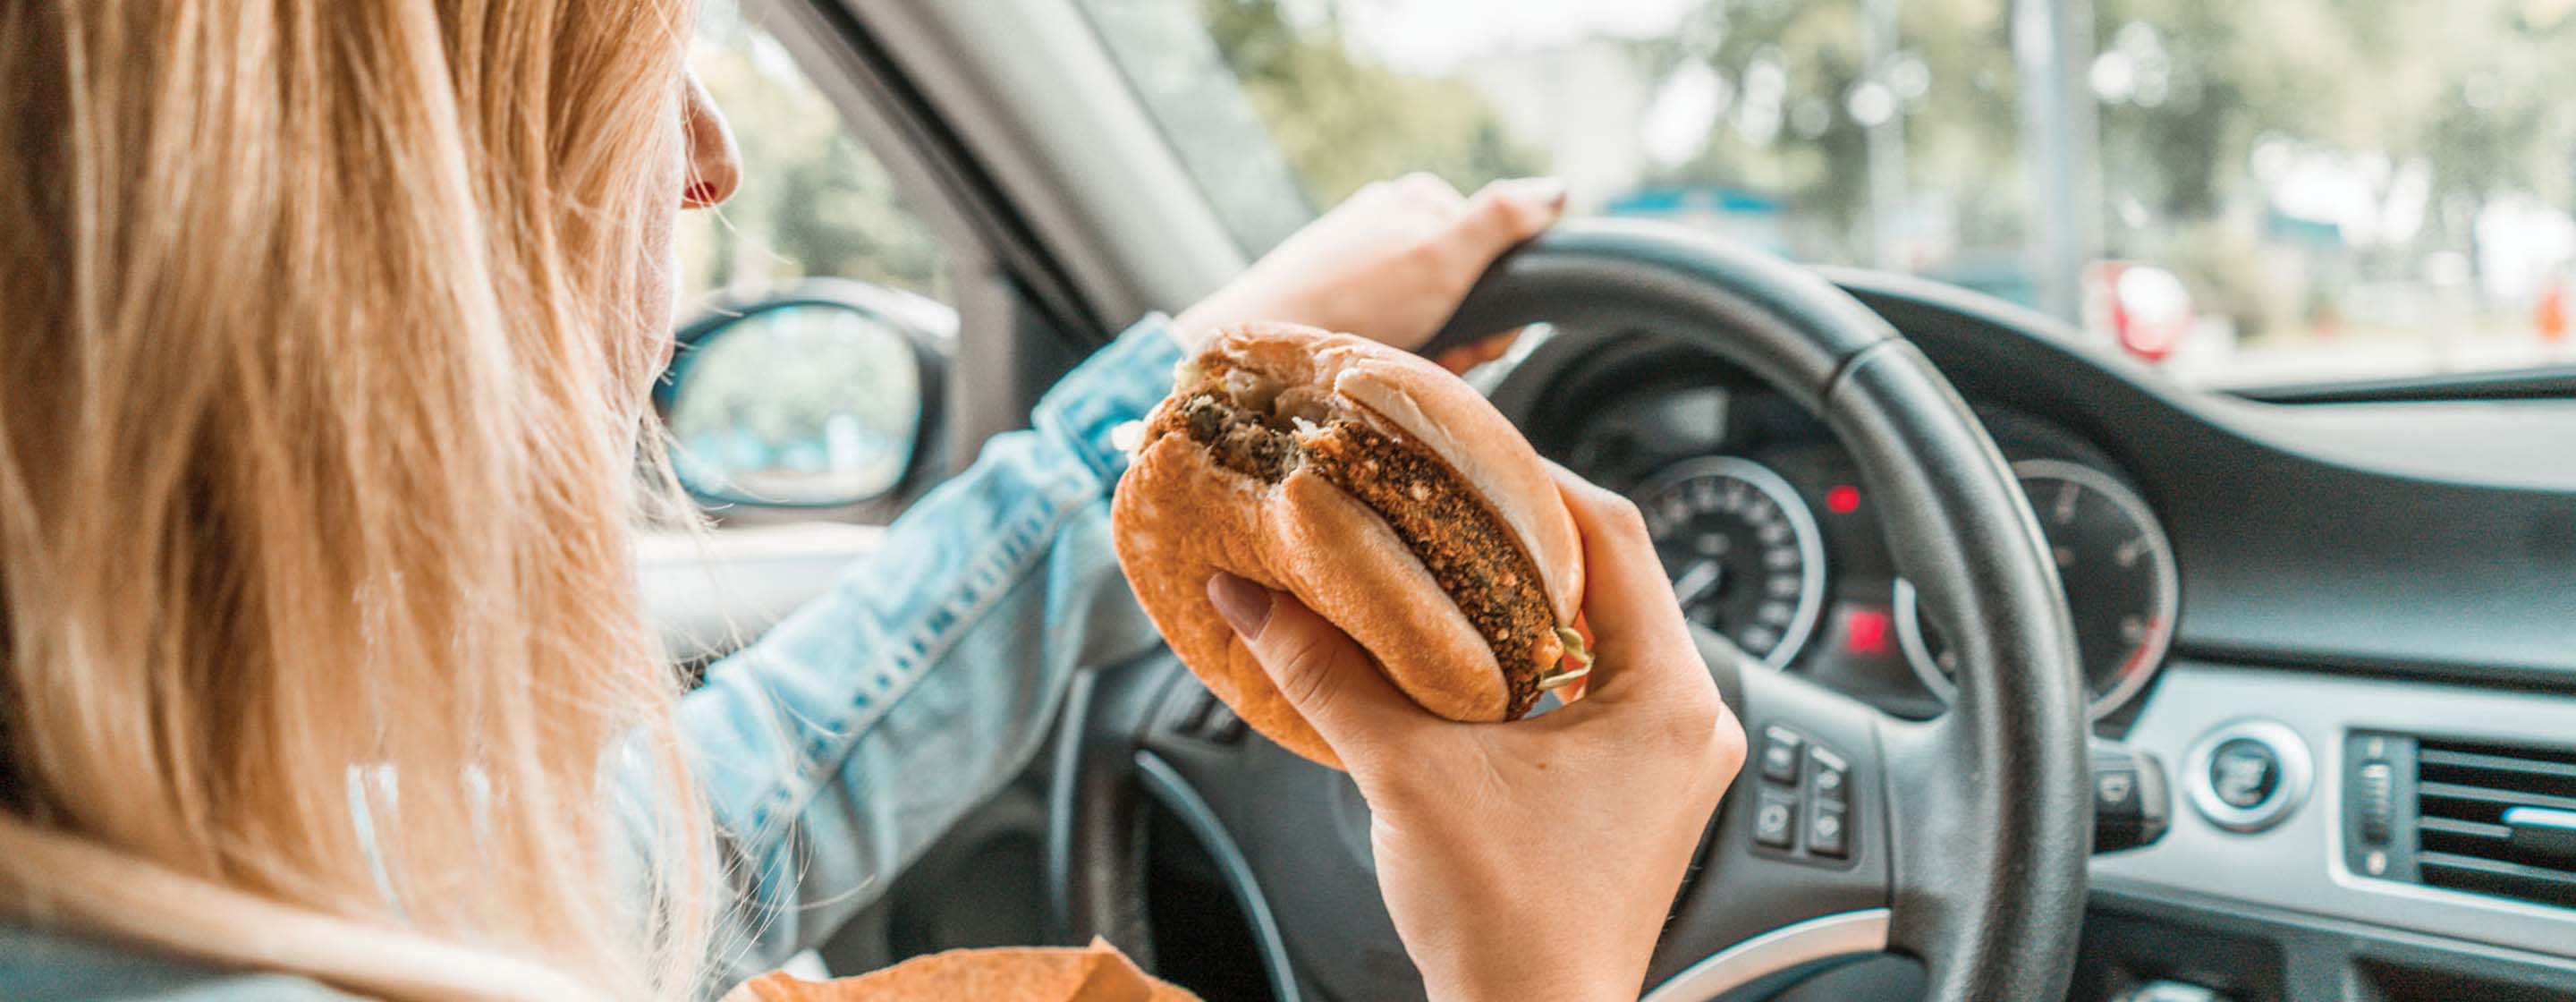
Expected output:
(825, 398)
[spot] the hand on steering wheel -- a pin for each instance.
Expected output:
(1388, 264)
(1535, 859)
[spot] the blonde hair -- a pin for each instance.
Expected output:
(324, 365)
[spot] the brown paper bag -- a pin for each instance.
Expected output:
(1096, 973)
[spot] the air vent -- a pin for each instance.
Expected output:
(2496, 819)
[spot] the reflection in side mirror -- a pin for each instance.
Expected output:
(795, 404)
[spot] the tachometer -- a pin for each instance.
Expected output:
(2118, 572)
(1742, 551)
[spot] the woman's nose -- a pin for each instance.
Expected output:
(715, 164)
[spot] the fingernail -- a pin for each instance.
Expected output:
(1549, 191)
(1245, 606)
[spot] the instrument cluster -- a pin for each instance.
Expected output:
(1772, 539)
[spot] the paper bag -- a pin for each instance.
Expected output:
(1096, 973)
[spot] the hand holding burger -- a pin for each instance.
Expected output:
(1536, 859)
(1374, 569)
(1389, 263)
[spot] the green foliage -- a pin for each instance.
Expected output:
(813, 201)
(2473, 88)
(2476, 88)
(1342, 122)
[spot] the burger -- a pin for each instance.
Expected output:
(1380, 490)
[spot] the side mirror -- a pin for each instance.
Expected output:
(822, 397)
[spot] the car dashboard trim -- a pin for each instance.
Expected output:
(2298, 864)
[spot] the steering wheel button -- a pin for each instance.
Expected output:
(1831, 775)
(1827, 831)
(1221, 725)
(1780, 748)
(1775, 820)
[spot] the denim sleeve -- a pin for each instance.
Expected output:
(841, 744)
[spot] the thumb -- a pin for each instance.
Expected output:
(1327, 677)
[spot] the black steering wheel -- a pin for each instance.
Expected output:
(1961, 841)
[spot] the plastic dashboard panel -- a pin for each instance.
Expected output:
(2422, 539)
(2436, 540)
(2299, 863)
(2407, 567)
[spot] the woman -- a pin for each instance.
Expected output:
(330, 328)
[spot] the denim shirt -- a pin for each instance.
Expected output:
(846, 740)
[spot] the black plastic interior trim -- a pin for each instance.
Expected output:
(2358, 559)
(2487, 674)
(2548, 383)
(1094, 852)
(2317, 957)
(1176, 795)
(2545, 383)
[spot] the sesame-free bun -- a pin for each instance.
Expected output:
(1181, 515)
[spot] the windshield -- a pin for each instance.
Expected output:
(2289, 191)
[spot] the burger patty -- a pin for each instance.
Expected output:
(1242, 440)
(1471, 554)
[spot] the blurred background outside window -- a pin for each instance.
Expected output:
(814, 202)
(800, 403)
(2272, 192)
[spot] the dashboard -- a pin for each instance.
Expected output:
(1772, 540)
(2381, 595)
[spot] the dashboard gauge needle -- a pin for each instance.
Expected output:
(1700, 579)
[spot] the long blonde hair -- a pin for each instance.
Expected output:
(320, 387)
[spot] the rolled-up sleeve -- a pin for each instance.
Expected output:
(841, 744)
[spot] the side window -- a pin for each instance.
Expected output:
(815, 307)
(814, 201)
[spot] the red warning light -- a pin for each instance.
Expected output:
(1865, 631)
(1842, 499)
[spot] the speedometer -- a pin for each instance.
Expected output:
(1742, 551)
(2118, 572)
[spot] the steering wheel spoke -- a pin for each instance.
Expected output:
(1795, 871)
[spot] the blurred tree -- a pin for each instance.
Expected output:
(1788, 128)
(1343, 122)
(2472, 90)
(813, 201)
(2474, 86)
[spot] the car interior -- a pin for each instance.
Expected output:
(2045, 649)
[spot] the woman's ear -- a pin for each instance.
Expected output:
(715, 164)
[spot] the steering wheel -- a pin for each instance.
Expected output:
(1961, 841)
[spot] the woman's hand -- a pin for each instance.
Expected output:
(1535, 859)
(1390, 263)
